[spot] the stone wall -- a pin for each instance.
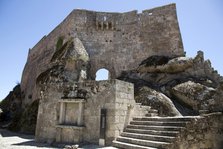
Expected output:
(115, 41)
(39, 58)
(117, 97)
(205, 132)
(132, 37)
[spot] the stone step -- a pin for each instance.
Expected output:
(142, 142)
(150, 127)
(163, 119)
(124, 145)
(145, 107)
(158, 123)
(152, 132)
(153, 110)
(151, 114)
(202, 112)
(148, 137)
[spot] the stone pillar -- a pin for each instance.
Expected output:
(80, 116)
(62, 112)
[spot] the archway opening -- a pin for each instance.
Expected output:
(102, 74)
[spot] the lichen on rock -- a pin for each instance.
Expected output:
(79, 52)
(68, 64)
(195, 95)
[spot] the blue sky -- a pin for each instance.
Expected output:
(24, 22)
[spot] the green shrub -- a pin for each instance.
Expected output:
(59, 43)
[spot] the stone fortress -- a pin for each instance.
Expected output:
(115, 41)
(155, 98)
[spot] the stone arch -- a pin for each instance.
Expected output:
(102, 74)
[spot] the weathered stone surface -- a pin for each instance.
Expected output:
(157, 100)
(79, 51)
(192, 93)
(155, 60)
(68, 64)
(11, 109)
(115, 41)
(199, 72)
(175, 65)
(201, 133)
(114, 95)
(197, 96)
(216, 103)
(28, 119)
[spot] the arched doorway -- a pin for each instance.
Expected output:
(102, 74)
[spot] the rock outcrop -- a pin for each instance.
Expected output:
(16, 118)
(11, 109)
(195, 95)
(157, 100)
(190, 83)
(68, 56)
(164, 65)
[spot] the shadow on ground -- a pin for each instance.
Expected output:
(10, 140)
(7, 133)
(33, 143)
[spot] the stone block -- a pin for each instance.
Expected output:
(111, 112)
(121, 112)
(110, 118)
(121, 106)
(190, 137)
(122, 119)
(109, 105)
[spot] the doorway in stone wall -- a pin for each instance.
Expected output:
(102, 74)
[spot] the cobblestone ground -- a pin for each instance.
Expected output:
(11, 140)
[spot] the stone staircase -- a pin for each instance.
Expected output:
(152, 113)
(151, 132)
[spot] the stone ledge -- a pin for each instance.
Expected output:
(70, 126)
(74, 100)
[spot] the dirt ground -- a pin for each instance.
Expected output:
(12, 140)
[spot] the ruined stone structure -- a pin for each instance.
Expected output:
(115, 41)
(145, 52)
(76, 118)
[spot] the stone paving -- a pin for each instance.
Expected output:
(12, 140)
